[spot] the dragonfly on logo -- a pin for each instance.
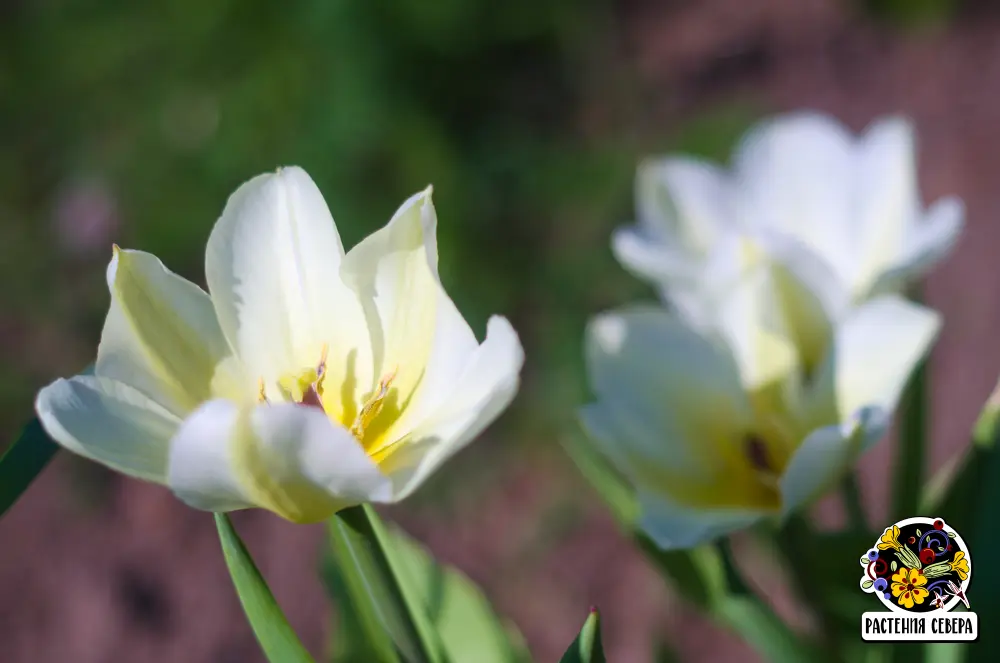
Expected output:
(955, 590)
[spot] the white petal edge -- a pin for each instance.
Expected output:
(272, 266)
(888, 198)
(928, 242)
(674, 527)
(287, 458)
(684, 202)
(873, 353)
(486, 388)
(110, 423)
(826, 454)
(651, 259)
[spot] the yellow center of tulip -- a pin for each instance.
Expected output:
(370, 423)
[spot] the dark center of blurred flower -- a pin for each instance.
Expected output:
(756, 452)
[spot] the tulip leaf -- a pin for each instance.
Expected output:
(955, 491)
(376, 589)
(23, 461)
(465, 621)
(587, 648)
(275, 635)
(466, 625)
(911, 451)
(984, 539)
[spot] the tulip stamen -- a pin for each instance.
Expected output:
(373, 406)
(261, 392)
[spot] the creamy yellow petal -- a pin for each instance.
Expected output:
(486, 386)
(287, 458)
(675, 416)
(418, 336)
(161, 335)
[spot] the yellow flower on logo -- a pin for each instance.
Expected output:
(908, 586)
(890, 539)
(960, 565)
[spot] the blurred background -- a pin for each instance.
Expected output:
(131, 123)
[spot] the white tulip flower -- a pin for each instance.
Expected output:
(307, 382)
(712, 444)
(843, 210)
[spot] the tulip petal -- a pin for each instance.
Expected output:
(287, 458)
(674, 527)
(486, 386)
(795, 173)
(161, 335)
(871, 357)
(684, 203)
(417, 333)
(109, 422)
(888, 199)
(928, 242)
(272, 266)
(826, 454)
(743, 292)
(650, 258)
(671, 412)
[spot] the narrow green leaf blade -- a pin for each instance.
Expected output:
(908, 479)
(23, 461)
(360, 548)
(587, 648)
(359, 635)
(984, 542)
(461, 615)
(275, 635)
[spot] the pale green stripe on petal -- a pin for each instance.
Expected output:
(108, 422)
(161, 334)
(287, 458)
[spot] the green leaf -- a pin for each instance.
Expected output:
(275, 635)
(587, 647)
(984, 540)
(23, 461)
(867, 584)
(462, 616)
(376, 590)
(955, 491)
(911, 451)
